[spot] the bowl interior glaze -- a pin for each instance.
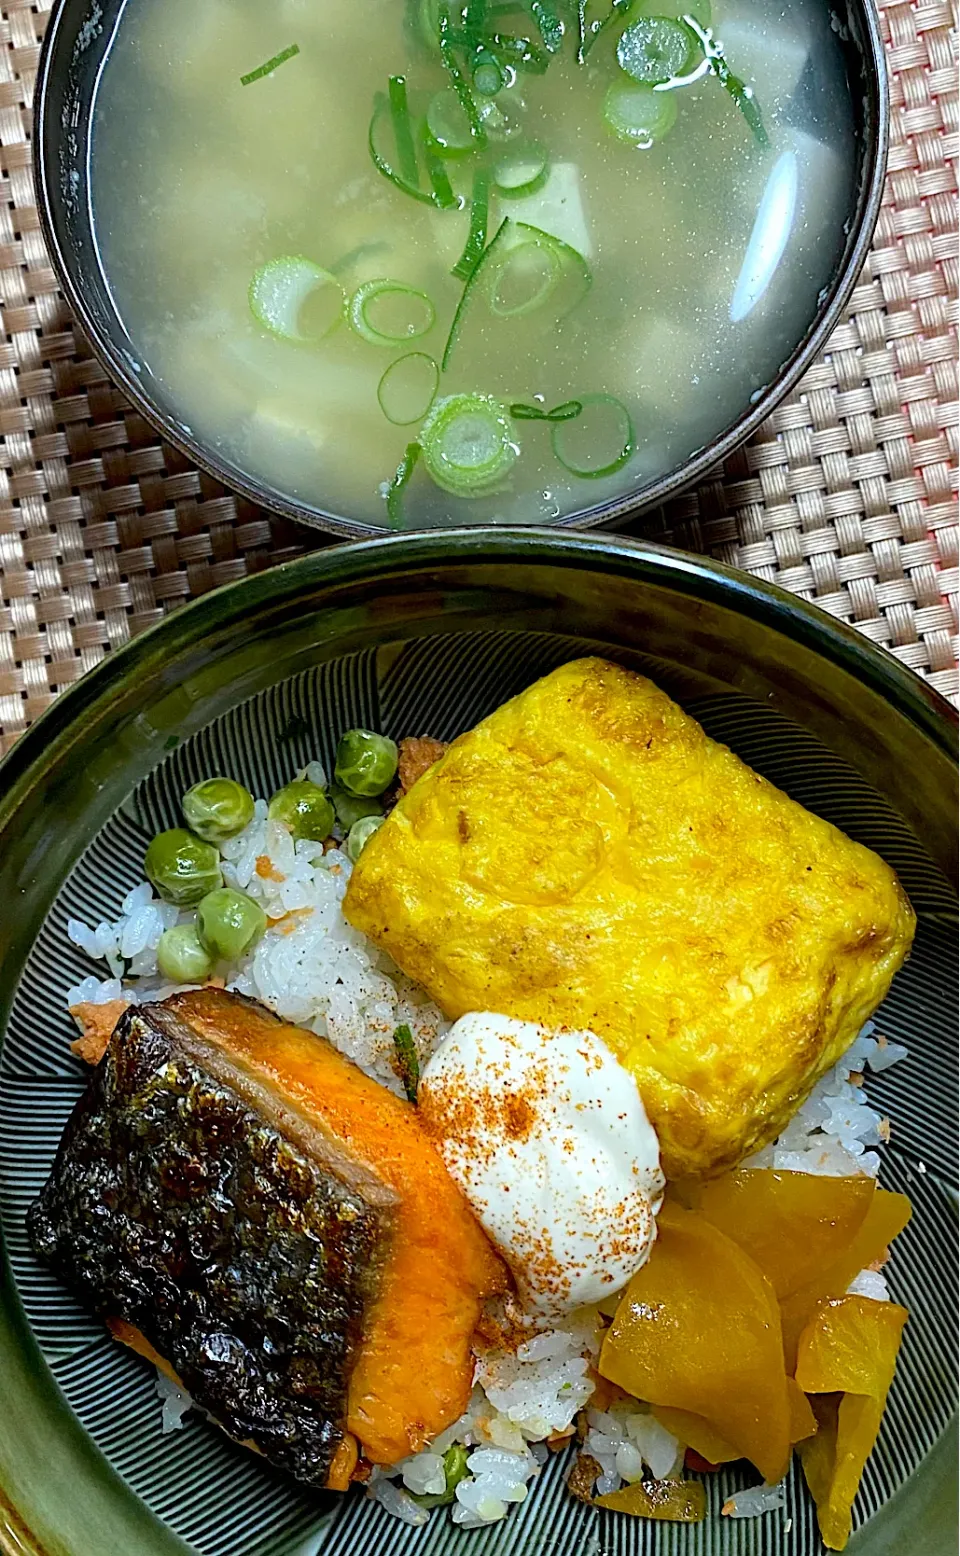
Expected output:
(77, 40)
(429, 634)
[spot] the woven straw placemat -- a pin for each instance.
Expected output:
(846, 495)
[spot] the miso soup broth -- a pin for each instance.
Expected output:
(602, 238)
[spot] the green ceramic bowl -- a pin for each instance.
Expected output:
(430, 633)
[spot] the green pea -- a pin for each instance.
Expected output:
(360, 833)
(181, 957)
(352, 807)
(217, 809)
(455, 1469)
(304, 808)
(366, 763)
(229, 923)
(182, 867)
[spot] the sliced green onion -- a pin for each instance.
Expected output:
(655, 49)
(408, 1063)
(409, 168)
(577, 275)
(597, 29)
(591, 446)
(468, 444)
(474, 14)
(488, 76)
(295, 299)
(449, 125)
(443, 195)
(477, 236)
(429, 19)
(521, 171)
(565, 412)
(381, 111)
(271, 65)
(408, 387)
(374, 314)
(742, 94)
(528, 273)
(581, 31)
(396, 487)
(486, 258)
(549, 23)
(457, 79)
(639, 114)
(520, 52)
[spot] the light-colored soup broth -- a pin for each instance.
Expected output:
(706, 251)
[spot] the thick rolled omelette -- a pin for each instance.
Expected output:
(588, 857)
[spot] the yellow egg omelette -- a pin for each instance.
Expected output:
(588, 857)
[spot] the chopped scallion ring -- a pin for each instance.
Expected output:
(488, 76)
(388, 313)
(468, 444)
(528, 273)
(449, 125)
(596, 443)
(639, 114)
(408, 387)
(577, 277)
(296, 300)
(656, 49)
(521, 171)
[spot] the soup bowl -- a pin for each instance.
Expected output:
(431, 633)
(77, 45)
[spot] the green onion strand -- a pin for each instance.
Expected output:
(597, 29)
(381, 108)
(549, 23)
(741, 93)
(443, 195)
(458, 80)
(469, 286)
(408, 1063)
(395, 490)
(271, 65)
(403, 131)
(477, 236)
(565, 412)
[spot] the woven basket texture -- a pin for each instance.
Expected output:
(847, 494)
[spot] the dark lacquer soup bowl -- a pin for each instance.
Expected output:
(119, 224)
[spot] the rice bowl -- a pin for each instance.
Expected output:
(96, 894)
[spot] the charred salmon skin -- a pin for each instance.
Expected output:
(242, 1203)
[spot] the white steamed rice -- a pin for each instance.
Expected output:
(315, 970)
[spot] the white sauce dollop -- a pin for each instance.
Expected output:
(546, 1135)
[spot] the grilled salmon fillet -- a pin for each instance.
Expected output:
(588, 857)
(237, 1198)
